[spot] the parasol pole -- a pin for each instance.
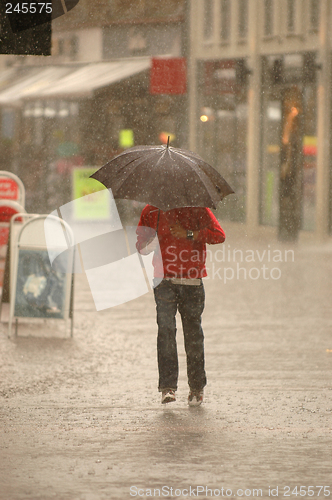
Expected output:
(168, 137)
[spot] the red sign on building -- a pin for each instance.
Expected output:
(168, 76)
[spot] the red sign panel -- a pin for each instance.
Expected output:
(8, 189)
(168, 76)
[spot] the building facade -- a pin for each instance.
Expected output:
(260, 106)
(96, 94)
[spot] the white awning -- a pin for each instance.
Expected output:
(6, 77)
(85, 80)
(71, 80)
(33, 83)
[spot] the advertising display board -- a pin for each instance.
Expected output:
(40, 290)
(32, 286)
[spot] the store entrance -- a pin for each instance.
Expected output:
(289, 145)
(291, 164)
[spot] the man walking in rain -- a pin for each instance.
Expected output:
(183, 234)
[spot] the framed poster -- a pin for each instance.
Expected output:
(41, 290)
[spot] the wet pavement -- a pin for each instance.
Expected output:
(81, 418)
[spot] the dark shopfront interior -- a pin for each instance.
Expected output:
(54, 135)
(289, 143)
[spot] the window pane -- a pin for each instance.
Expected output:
(291, 15)
(208, 19)
(268, 17)
(243, 18)
(222, 129)
(314, 14)
(225, 19)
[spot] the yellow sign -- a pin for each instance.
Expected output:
(126, 138)
(273, 148)
(309, 140)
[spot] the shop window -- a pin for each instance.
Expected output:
(225, 18)
(208, 19)
(293, 21)
(268, 17)
(8, 123)
(222, 128)
(49, 109)
(314, 14)
(137, 42)
(243, 19)
(54, 46)
(289, 145)
(291, 16)
(73, 49)
(65, 47)
(61, 47)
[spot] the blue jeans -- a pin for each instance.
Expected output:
(189, 301)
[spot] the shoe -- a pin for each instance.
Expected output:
(168, 396)
(195, 398)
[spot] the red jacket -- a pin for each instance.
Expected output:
(181, 258)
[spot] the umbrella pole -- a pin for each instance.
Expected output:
(80, 257)
(140, 259)
(127, 240)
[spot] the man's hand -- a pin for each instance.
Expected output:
(150, 246)
(179, 231)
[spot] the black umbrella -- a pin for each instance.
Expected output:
(163, 176)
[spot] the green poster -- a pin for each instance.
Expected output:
(92, 199)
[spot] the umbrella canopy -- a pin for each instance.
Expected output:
(163, 176)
